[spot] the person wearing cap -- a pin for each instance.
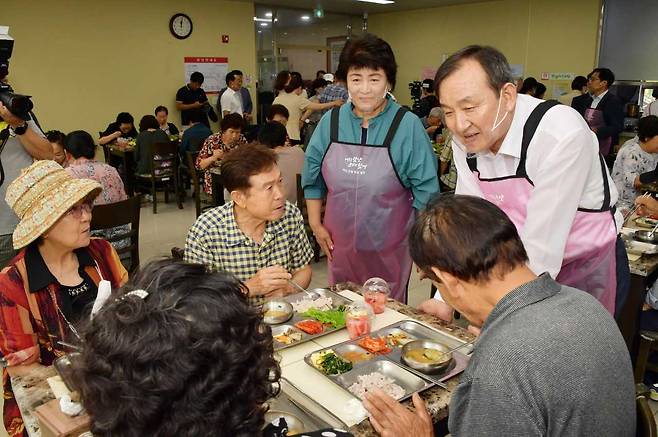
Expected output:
(428, 99)
(49, 287)
(335, 90)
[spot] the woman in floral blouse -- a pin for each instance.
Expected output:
(213, 149)
(636, 156)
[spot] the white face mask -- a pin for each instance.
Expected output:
(496, 122)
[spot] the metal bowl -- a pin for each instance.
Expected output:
(435, 367)
(646, 237)
(295, 424)
(276, 312)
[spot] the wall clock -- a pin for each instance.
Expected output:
(180, 26)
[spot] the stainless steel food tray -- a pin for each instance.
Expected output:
(337, 300)
(409, 381)
(413, 330)
(314, 416)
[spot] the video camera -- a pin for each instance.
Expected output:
(416, 90)
(18, 104)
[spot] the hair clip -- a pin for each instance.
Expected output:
(139, 293)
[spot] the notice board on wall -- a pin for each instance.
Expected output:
(214, 71)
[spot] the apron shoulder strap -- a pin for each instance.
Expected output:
(472, 161)
(394, 127)
(529, 130)
(606, 185)
(335, 113)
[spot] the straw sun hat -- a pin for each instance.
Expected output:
(41, 195)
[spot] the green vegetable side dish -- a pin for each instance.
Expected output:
(335, 318)
(331, 364)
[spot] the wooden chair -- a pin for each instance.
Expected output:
(646, 423)
(301, 204)
(202, 201)
(164, 173)
(116, 215)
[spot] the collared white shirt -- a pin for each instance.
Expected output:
(231, 101)
(597, 99)
(563, 164)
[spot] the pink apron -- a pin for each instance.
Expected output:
(589, 261)
(369, 212)
(594, 118)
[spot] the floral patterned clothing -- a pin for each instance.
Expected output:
(631, 162)
(212, 143)
(104, 174)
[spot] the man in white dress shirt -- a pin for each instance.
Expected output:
(539, 162)
(231, 101)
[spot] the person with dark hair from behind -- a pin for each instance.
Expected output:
(278, 113)
(529, 86)
(603, 111)
(532, 331)
(637, 156)
(191, 97)
(56, 140)
(81, 163)
(540, 91)
(578, 88)
(320, 74)
(258, 236)
(290, 159)
(194, 136)
(120, 131)
(216, 145)
(149, 134)
(291, 97)
(161, 114)
(428, 99)
(188, 356)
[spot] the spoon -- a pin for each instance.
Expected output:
(311, 294)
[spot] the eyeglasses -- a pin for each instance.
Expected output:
(77, 210)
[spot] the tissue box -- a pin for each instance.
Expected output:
(54, 423)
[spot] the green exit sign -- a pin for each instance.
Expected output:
(319, 13)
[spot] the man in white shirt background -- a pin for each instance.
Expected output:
(539, 162)
(603, 111)
(231, 100)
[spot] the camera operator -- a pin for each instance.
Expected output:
(26, 143)
(428, 99)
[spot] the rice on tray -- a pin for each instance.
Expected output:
(305, 304)
(376, 380)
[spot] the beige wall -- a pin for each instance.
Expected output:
(542, 35)
(85, 61)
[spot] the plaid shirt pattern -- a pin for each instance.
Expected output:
(333, 92)
(450, 178)
(216, 241)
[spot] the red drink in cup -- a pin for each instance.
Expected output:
(375, 293)
(357, 320)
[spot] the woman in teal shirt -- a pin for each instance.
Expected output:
(372, 161)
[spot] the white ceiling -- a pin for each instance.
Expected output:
(354, 7)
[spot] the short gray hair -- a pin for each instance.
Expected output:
(436, 112)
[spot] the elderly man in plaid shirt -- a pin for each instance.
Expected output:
(257, 236)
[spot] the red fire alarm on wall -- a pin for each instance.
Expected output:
(225, 39)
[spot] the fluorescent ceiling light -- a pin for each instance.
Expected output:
(265, 20)
(379, 2)
(263, 24)
(268, 14)
(305, 17)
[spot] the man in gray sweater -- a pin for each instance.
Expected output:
(549, 361)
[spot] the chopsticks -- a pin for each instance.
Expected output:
(635, 208)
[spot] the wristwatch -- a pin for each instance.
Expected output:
(20, 130)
